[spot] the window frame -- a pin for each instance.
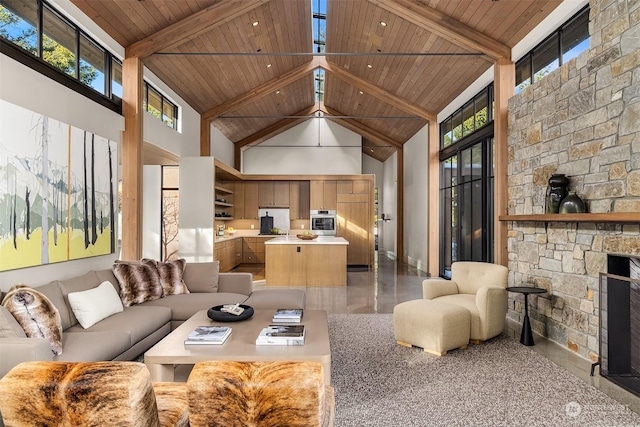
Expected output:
(530, 56)
(38, 64)
(483, 135)
(163, 100)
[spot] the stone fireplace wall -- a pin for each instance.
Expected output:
(582, 120)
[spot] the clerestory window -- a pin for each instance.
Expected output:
(567, 42)
(48, 42)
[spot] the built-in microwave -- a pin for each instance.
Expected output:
(323, 222)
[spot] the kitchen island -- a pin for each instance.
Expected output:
(295, 262)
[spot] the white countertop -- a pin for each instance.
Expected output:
(293, 240)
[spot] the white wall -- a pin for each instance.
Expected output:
(151, 210)
(375, 167)
(29, 89)
(388, 206)
(295, 151)
(183, 142)
(221, 147)
(196, 204)
(415, 199)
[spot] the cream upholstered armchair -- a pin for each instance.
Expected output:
(479, 287)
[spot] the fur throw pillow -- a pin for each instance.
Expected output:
(171, 276)
(36, 315)
(139, 282)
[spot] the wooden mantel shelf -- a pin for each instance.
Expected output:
(612, 217)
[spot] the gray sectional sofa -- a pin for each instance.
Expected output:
(126, 335)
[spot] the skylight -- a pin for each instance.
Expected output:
(319, 35)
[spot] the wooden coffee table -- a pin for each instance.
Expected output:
(241, 345)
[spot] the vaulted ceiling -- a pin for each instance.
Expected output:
(389, 65)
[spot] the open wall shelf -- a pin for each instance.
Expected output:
(610, 217)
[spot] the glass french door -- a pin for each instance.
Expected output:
(466, 196)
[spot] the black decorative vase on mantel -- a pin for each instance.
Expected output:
(572, 204)
(556, 191)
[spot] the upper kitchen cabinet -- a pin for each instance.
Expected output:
(323, 194)
(299, 199)
(245, 200)
(238, 200)
(355, 186)
(250, 200)
(273, 194)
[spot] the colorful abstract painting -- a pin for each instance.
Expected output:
(57, 190)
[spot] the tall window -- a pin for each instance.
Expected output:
(41, 31)
(567, 42)
(170, 213)
(466, 183)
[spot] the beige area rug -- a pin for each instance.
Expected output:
(497, 383)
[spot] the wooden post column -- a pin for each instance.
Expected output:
(504, 88)
(205, 137)
(132, 85)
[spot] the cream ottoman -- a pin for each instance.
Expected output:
(433, 326)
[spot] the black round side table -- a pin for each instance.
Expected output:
(526, 336)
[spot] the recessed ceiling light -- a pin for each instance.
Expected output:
(361, 92)
(255, 23)
(372, 150)
(384, 24)
(369, 66)
(277, 92)
(268, 65)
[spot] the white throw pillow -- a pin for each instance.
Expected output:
(93, 305)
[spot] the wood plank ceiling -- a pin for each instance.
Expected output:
(383, 81)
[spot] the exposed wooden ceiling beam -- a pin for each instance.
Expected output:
(446, 27)
(278, 127)
(362, 130)
(262, 90)
(191, 27)
(376, 91)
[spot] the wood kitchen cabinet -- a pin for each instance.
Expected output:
(228, 253)
(251, 200)
(323, 194)
(306, 265)
(238, 200)
(299, 199)
(253, 250)
(354, 224)
(273, 194)
(353, 186)
(245, 200)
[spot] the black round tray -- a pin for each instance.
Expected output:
(215, 314)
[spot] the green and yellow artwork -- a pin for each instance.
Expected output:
(57, 189)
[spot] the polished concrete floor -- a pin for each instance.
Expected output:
(391, 282)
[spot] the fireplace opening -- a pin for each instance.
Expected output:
(620, 322)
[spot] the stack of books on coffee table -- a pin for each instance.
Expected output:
(281, 335)
(210, 335)
(287, 315)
